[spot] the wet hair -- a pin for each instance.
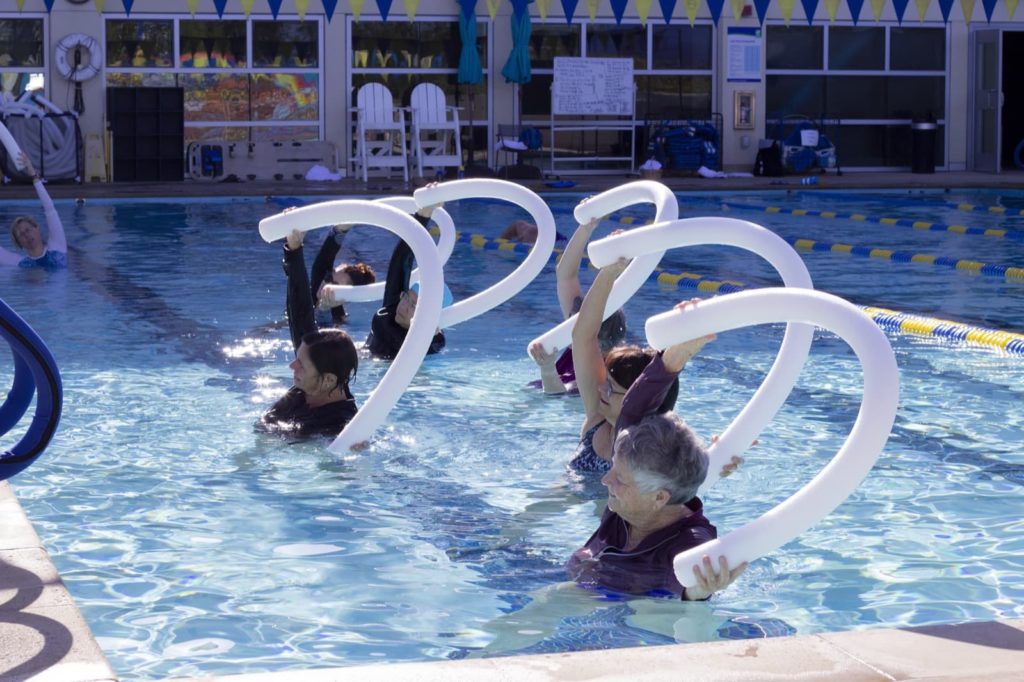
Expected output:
(332, 352)
(664, 454)
(626, 363)
(359, 273)
(14, 224)
(612, 331)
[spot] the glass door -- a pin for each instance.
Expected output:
(988, 101)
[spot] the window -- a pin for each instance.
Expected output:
(855, 48)
(22, 58)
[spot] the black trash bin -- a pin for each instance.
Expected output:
(922, 146)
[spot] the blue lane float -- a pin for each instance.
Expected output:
(32, 353)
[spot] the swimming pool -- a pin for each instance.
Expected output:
(195, 546)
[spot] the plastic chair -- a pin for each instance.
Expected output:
(436, 128)
(380, 131)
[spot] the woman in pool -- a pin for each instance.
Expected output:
(26, 235)
(328, 310)
(320, 402)
(390, 324)
(557, 372)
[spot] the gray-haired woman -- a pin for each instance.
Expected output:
(657, 466)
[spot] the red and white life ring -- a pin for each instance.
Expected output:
(89, 61)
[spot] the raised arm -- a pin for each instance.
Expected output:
(298, 302)
(56, 239)
(567, 272)
(324, 262)
(586, 350)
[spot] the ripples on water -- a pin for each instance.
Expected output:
(195, 546)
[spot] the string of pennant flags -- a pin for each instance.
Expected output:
(643, 8)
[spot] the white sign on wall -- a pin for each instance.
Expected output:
(585, 86)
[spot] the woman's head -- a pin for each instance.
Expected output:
(326, 360)
(663, 453)
(354, 274)
(624, 364)
(25, 233)
(612, 331)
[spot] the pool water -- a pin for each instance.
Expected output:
(194, 545)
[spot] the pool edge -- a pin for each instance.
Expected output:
(35, 604)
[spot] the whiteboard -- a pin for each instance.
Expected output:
(593, 86)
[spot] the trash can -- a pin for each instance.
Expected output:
(922, 146)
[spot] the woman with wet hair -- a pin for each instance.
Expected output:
(49, 253)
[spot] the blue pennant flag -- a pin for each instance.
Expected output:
(900, 6)
(385, 8)
(329, 7)
(668, 8)
(810, 7)
(49, 5)
(990, 6)
(946, 6)
(855, 8)
(127, 6)
(762, 9)
(569, 7)
(220, 6)
(715, 7)
(275, 7)
(618, 9)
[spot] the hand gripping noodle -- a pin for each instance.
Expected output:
(428, 308)
(445, 245)
(13, 150)
(634, 276)
(858, 453)
(516, 281)
(29, 351)
(796, 343)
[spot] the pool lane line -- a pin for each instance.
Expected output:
(1014, 235)
(889, 320)
(884, 199)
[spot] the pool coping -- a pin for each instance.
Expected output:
(43, 636)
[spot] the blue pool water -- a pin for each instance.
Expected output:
(195, 546)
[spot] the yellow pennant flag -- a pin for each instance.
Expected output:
(691, 7)
(193, 5)
(410, 9)
(492, 8)
(922, 8)
(1011, 7)
(247, 6)
(737, 8)
(301, 7)
(876, 9)
(20, 4)
(542, 9)
(643, 10)
(786, 7)
(592, 9)
(101, 3)
(968, 7)
(357, 8)
(831, 6)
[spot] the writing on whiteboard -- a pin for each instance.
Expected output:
(585, 86)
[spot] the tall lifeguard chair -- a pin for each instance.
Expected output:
(380, 131)
(436, 129)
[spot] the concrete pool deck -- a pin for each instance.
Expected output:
(43, 636)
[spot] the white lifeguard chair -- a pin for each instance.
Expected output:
(436, 130)
(380, 131)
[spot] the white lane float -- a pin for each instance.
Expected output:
(428, 309)
(516, 281)
(796, 343)
(634, 276)
(445, 245)
(859, 451)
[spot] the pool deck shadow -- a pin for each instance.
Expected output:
(43, 637)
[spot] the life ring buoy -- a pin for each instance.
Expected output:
(81, 69)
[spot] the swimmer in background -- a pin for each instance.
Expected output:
(524, 232)
(330, 311)
(557, 372)
(320, 401)
(26, 235)
(390, 324)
